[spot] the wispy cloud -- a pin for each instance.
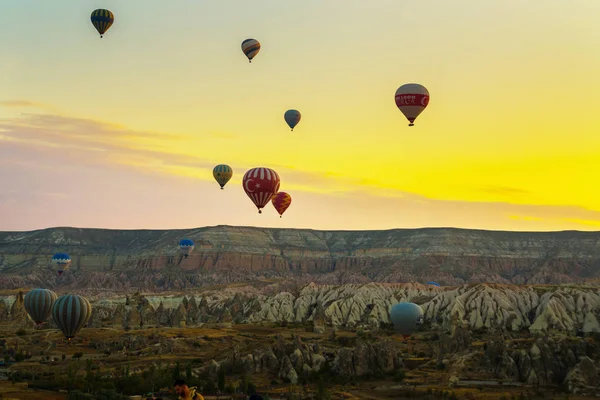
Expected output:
(504, 190)
(61, 145)
(20, 104)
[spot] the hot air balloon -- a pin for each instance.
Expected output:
(70, 313)
(222, 174)
(186, 246)
(292, 117)
(412, 99)
(433, 283)
(102, 20)
(62, 262)
(260, 184)
(406, 317)
(281, 201)
(38, 303)
(250, 47)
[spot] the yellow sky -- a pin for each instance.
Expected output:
(513, 115)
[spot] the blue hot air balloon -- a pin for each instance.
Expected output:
(62, 262)
(292, 117)
(433, 283)
(186, 246)
(406, 318)
(38, 303)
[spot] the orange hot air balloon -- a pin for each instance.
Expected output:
(281, 201)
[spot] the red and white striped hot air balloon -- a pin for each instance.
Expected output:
(412, 99)
(260, 184)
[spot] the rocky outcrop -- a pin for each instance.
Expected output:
(546, 361)
(289, 361)
(125, 261)
(478, 307)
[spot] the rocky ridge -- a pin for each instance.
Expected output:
(488, 307)
(148, 261)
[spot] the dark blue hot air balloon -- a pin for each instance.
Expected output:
(433, 283)
(186, 246)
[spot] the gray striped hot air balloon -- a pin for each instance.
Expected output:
(70, 313)
(38, 303)
(406, 318)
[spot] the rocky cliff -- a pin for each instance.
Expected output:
(480, 307)
(118, 260)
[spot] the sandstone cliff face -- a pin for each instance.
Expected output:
(489, 307)
(149, 260)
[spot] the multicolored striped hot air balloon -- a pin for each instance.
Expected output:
(186, 246)
(250, 47)
(260, 184)
(38, 303)
(62, 262)
(412, 99)
(222, 174)
(292, 117)
(71, 312)
(281, 201)
(102, 20)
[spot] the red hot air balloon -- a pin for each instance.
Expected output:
(281, 201)
(412, 99)
(260, 184)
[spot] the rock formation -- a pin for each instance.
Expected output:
(478, 307)
(125, 261)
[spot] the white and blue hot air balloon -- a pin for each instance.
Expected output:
(186, 246)
(62, 262)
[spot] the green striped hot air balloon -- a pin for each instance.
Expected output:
(102, 20)
(222, 174)
(38, 303)
(71, 312)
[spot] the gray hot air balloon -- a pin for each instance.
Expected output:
(292, 117)
(406, 318)
(38, 303)
(70, 313)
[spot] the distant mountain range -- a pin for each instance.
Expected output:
(149, 260)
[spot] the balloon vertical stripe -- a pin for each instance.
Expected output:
(38, 304)
(70, 313)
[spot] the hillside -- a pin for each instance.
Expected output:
(148, 260)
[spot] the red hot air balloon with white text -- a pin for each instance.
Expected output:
(412, 99)
(260, 184)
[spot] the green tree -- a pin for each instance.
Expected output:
(188, 372)
(221, 379)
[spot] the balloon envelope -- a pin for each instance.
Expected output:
(433, 283)
(71, 312)
(62, 262)
(406, 317)
(222, 174)
(260, 184)
(186, 246)
(38, 303)
(250, 47)
(281, 201)
(412, 99)
(292, 117)
(102, 20)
